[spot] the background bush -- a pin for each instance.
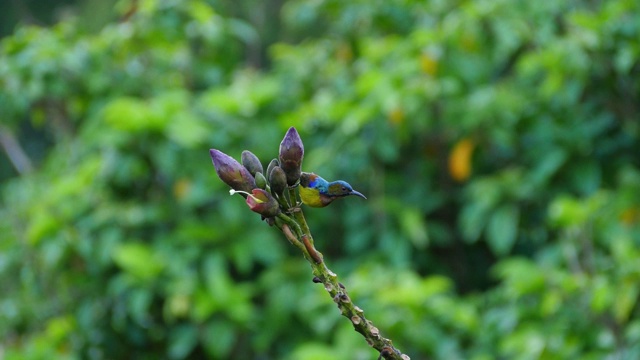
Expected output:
(498, 143)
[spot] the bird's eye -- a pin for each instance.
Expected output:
(344, 188)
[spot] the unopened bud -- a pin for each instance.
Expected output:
(251, 162)
(277, 180)
(291, 155)
(231, 172)
(272, 164)
(261, 182)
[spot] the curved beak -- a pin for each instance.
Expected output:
(353, 192)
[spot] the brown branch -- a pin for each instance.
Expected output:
(336, 290)
(14, 151)
(289, 218)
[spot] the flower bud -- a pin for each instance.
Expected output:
(261, 182)
(251, 162)
(272, 164)
(278, 180)
(231, 172)
(263, 203)
(291, 154)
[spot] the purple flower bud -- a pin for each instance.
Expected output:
(251, 162)
(272, 164)
(291, 154)
(231, 172)
(263, 203)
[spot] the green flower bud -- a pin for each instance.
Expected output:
(261, 182)
(277, 180)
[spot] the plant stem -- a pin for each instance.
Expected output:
(304, 241)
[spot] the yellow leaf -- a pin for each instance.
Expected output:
(630, 216)
(396, 116)
(344, 52)
(460, 160)
(181, 188)
(469, 42)
(428, 64)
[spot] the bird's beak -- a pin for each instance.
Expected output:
(353, 192)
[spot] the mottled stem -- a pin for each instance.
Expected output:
(301, 237)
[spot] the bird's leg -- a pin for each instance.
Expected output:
(282, 200)
(294, 199)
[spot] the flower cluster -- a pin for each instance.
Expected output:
(266, 194)
(262, 190)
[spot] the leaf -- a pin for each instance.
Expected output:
(547, 166)
(472, 221)
(312, 351)
(60, 328)
(218, 338)
(138, 259)
(502, 229)
(587, 177)
(187, 130)
(566, 211)
(625, 300)
(460, 159)
(414, 227)
(132, 115)
(182, 341)
(521, 276)
(138, 304)
(41, 226)
(602, 294)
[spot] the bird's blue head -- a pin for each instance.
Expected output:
(329, 190)
(341, 188)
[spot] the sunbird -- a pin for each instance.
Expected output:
(318, 192)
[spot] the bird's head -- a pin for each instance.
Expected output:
(341, 188)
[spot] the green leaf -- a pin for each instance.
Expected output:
(548, 166)
(187, 130)
(414, 227)
(472, 221)
(59, 328)
(218, 338)
(602, 294)
(42, 225)
(521, 276)
(312, 351)
(502, 229)
(625, 300)
(182, 341)
(132, 115)
(138, 304)
(139, 260)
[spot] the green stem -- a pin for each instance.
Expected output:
(289, 221)
(299, 216)
(282, 201)
(336, 290)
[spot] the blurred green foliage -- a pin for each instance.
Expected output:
(497, 142)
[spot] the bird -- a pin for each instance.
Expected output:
(318, 192)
